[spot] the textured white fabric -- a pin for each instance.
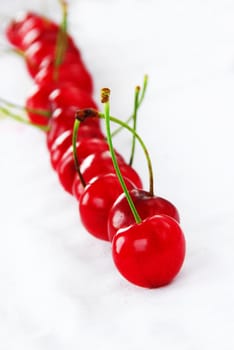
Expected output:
(59, 289)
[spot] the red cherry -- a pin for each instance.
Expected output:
(73, 73)
(150, 254)
(58, 127)
(18, 28)
(60, 146)
(62, 119)
(38, 99)
(66, 167)
(96, 201)
(37, 35)
(69, 97)
(47, 35)
(101, 163)
(41, 53)
(121, 216)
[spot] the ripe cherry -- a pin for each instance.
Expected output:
(41, 54)
(69, 98)
(101, 163)
(73, 73)
(18, 28)
(96, 201)
(146, 204)
(150, 253)
(48, 35)
(38, 100)
(66, 167)
(59, 147)
(62, 119)
(56, 128)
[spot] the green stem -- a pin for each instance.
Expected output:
(136, 98)
(145, 83)
(115, 162)
(143, 90)
(74, 139)
(20, 119)
(61, 42)
(82, 114)
(41, 112)
(142, 144)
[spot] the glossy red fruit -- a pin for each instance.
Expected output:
(75, 73)
(101, 163)
(66, 167)
(96, 201)
(47, 35)
(18, 28)
(150, 254)
(85, 131)
(42, 54)
(63, 119)
(69, 98)
(120, 215)
(38, 100)
(60, 146)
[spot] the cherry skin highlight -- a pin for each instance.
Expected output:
(150, 254)
(59, 147)
(120, 214)
(96, 201)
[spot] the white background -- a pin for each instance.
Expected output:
(59, 289)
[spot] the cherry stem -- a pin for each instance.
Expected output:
(145, 83)
(20, 119)
(74, 140)
(105, 99)
(136, 103)
(144, 148)
(41, 112)
(82, 114)
(61, 43)
(141, 98)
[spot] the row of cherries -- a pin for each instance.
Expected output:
(148, 245)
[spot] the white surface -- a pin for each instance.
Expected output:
(59, 289)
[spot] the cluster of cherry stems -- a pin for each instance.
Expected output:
(148, 245)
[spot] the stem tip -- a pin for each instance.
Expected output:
(105, 94)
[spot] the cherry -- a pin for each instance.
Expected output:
(18, 28)
(95, 203)
(101, 163)
(150, 253)
(45, 35)
(59, 147)
(38, 100)
(39, 35)
(74, 73)
(147, 205)
(66, 167)
(62, 119)
(57, 127)
(41, 54)
(69, 97)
